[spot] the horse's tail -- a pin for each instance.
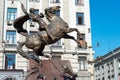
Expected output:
(20, 51)
(18, 25)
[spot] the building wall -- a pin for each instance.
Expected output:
(1, 19)
(1, 28)
(68, 13)
(109, 67)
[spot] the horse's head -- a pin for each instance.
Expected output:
(50, 12)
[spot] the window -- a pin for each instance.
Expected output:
(82, 63)
(9, 61)
(79, 18)
(33, 32)
(81, 36)
(119, 63)
(108, 78)
(103, 78)
(35, 0)
(11, 13)
(36, 11)
(57, 13)
(11, 37)
(56, 46)
(55, 1)
(83, 43)
(102, 69)
(58, 43)
(79, 2)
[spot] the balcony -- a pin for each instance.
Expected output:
(8, 46)
(34, 0)
(56, 47)
(55, 1)
(9, 22)
(79, 2)
(11, 45)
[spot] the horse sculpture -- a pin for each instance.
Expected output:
(57, 27)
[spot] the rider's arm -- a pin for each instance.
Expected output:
(23, 9)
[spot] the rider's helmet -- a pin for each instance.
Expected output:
(32, 10)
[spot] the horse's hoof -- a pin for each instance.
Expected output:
(31, 56)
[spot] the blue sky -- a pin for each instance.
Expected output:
(105, 24)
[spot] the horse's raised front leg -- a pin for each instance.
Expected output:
(20, 51)
(72, 29)
(71, 37)
(25, 54)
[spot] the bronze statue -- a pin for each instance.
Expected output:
(51, 33)
(47, 33)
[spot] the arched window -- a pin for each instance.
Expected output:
(9, 78)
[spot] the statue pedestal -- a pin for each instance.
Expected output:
(33, 70)
(50, 70)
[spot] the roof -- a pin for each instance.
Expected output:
(108, 57)
(111, 52)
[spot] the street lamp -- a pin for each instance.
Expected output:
(3, 46)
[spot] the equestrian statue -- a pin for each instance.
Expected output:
(47, 33)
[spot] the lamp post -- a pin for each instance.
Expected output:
(3, 46)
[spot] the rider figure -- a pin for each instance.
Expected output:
(37, 18)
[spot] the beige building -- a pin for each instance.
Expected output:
(75, 12)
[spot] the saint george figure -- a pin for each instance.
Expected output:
(37, 18)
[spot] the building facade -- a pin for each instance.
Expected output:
(109, 67)
(75, 12)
